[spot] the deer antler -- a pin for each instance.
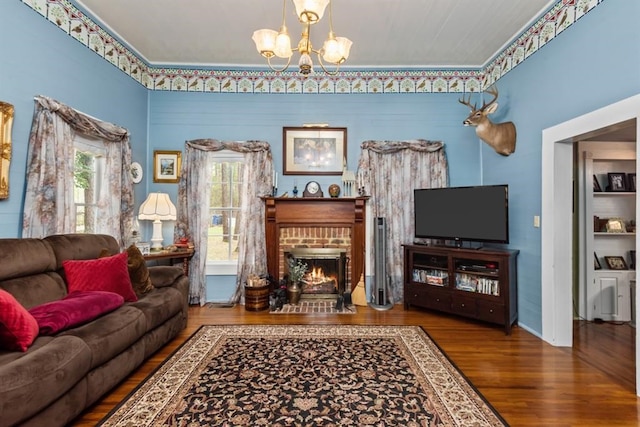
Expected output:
(467, 102)
(491, 91)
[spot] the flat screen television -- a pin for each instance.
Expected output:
(463, 214)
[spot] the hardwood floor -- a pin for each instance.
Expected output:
(528, 381)
(609, 346)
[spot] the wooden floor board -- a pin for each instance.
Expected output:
(528, 381)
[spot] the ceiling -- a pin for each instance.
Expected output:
(385, 33)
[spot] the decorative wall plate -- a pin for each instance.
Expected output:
(136, 172)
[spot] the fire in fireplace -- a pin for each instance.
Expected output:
(326, 271)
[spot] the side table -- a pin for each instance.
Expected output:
(183, 255)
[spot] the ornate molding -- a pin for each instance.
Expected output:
(82, 28)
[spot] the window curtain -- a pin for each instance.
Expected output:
(49, 205)
(389, 171)
(194, 193)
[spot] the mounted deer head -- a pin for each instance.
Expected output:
(500, 136)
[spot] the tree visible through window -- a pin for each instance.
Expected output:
(224, 210)
(87, 177)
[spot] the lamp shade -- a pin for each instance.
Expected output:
(265, 41)
(158, 206)
(310, 11)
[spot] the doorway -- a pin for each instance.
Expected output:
(557, 207)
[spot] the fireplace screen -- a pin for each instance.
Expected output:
(326, 271)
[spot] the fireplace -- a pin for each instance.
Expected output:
(316, 223)
(326, 271)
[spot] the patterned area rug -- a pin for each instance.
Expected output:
(315, 306)
(329, 375)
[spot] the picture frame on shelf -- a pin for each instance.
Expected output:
(616, 225)
(166, 166)
(616, 263)
(311, 150)
(631, 181)
(596, 262)
(596, 185)
(617, 181)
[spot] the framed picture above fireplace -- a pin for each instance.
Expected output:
(314, 150)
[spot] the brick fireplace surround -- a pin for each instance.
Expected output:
(316, 223)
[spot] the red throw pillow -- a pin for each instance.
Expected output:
(18, 328)
(108, 274)
(75, 309)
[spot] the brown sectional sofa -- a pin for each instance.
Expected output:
(61, 375)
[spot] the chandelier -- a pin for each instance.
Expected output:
(335, 50)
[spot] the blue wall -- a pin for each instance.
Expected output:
(591, 64)
(36, 58)
(178, 116)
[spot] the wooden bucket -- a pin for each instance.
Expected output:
(256, 298)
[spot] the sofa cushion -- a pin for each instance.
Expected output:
(164, 275)
(138, 271)
(18, 328)
(32, 381)
(102, 274)
(110, 334)
(74, 309)
(159, 305)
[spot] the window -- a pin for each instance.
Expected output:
(89, 164)
(224, 213)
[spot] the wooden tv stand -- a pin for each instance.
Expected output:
(475, 283)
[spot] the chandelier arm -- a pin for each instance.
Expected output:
(331, 73)
(279, 70)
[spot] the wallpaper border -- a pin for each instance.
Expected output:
(83, 29)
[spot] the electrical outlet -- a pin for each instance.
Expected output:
(536, 221)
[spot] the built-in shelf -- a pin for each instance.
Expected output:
(613, 193)
(605, 293)
(604, 233)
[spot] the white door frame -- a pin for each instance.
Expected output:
(557, 229)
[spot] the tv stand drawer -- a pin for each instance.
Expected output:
(465, 306)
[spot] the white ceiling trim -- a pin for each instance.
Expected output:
(374, 81)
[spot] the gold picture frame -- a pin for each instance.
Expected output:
(616, 225)
(6, 122)
(166, 166)
(314, 150)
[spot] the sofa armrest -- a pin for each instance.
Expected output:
(164, 275)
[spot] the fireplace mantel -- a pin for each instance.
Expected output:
(349, 212)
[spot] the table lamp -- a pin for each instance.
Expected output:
(157, 208)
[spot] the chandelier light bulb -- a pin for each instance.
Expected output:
(282, 47)
(331, 51)
(344, 46)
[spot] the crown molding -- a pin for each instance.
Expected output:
(85, 30)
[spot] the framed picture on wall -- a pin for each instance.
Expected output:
(314, 150)
(166, 166)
